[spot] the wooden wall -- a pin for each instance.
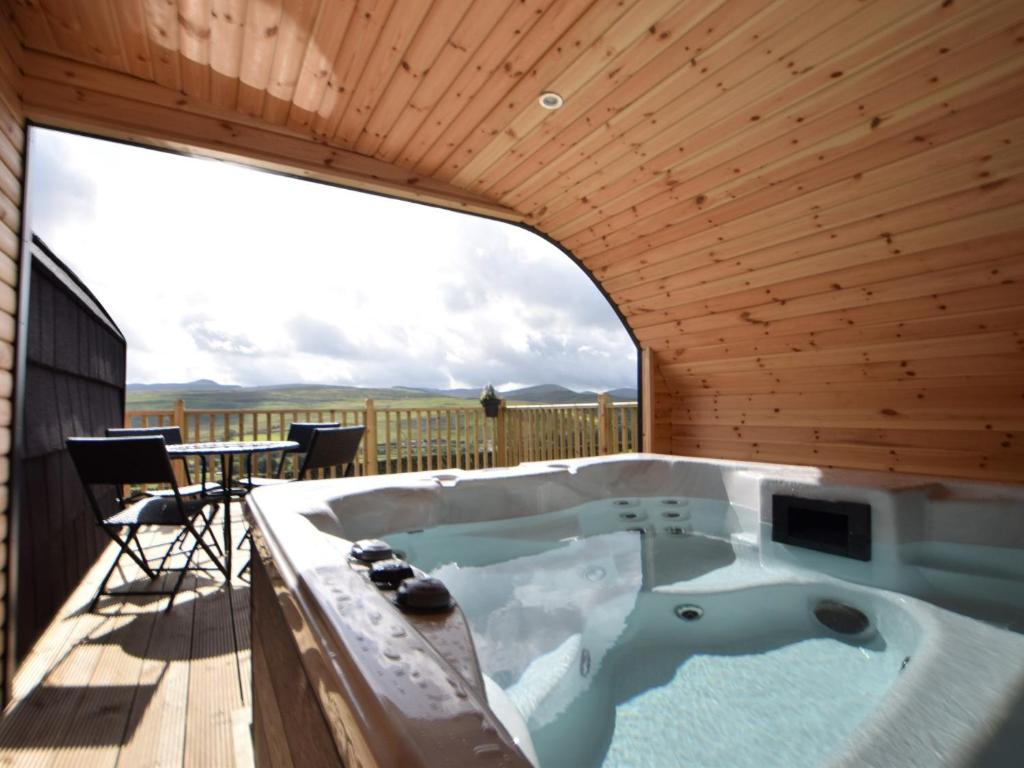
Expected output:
(78, 96)
(859, 306)
(12, 140)
(656, 405)
(810, 210)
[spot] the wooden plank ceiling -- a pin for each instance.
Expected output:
(810, 211)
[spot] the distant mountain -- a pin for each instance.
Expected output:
(199, 385)
(205, 394)
(623, 393)
(554, 393)
(538, 393)
(549, 393)
(465, 393)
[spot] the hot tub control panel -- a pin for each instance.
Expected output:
(840, 528)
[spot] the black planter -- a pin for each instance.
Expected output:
(491, 408)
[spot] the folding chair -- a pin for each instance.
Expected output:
(126, 461)
(172, 436)
(301, 432)
(328, 447)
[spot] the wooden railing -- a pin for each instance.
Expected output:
(415, 439)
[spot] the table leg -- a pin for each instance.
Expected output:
(226, 463)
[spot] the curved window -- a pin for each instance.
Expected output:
(221, 272)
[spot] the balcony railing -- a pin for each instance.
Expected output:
(415, 439)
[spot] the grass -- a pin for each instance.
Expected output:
(314, 398)
(296, 398)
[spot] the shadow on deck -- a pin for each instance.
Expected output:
(134, 685)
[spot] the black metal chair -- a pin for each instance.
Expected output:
(125, 461)
(328, 447)
(171, 436)
(301, 432)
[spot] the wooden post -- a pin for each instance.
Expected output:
(604, 424)
(647, 374)
(370, 438)
(179, 421)
(500, 447)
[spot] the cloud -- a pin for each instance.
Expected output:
(504, 267)
(70, 194)
(318, 337)
(217, 271)
(209, 337)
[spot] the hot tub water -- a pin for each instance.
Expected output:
(576, 616)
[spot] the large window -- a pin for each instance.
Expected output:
(216, 271)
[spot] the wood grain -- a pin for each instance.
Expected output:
(12, 144)
(810, 183)
(130, 684)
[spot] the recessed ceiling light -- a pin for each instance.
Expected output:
(551, 100)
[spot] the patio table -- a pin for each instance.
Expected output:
(227, 450)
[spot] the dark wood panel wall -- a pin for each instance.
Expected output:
(12, 143)
(74, 384)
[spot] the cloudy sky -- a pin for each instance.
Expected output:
(221, 272)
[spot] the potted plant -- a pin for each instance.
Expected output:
(490, 401)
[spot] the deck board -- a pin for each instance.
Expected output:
(132, 685)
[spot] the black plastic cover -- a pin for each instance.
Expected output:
(837, 527)
(388, 574)
(371, 550)
(423, 594)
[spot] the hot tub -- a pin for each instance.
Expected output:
(643, 611)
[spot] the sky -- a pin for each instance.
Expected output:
(217, 271)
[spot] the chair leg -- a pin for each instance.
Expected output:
(126, 550)
(213, 537)
(125, 545)
(177, 586)
(199, 542)
(207, 523)
(181, 575)
(177, 539)
(138, 547)
(206, 548)
(170, 548)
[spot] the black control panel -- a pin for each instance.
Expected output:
(840, 528)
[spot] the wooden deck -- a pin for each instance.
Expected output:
(132, 685)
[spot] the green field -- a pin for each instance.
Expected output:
(299, 397)
(312, 398)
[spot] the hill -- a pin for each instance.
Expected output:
(539, 393)
(623, 393)
(208, 395)
(199, 385)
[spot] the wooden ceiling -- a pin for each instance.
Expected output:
(794, 203)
